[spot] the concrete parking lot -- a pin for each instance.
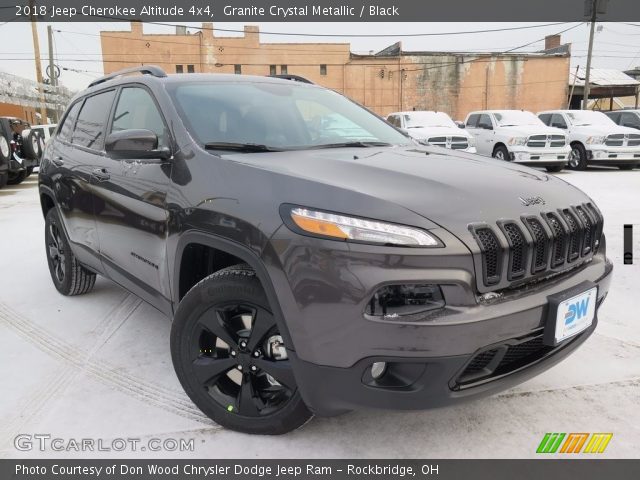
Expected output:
(98, 366)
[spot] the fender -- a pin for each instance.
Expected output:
(243, 253)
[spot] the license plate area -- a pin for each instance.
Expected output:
(570, 313)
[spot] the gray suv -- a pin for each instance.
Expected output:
(313, 258)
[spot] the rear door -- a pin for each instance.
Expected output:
(78, 147)
(130, 203)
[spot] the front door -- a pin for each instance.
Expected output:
(130, 204)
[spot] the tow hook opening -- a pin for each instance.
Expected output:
(395, 301)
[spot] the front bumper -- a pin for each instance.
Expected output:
(606, 155)
(333, 343)
(17, 164)
(541, 157)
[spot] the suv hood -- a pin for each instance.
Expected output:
(526, 130)
(452, 189)
(602, 130)
(426, 132)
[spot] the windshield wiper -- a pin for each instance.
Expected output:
(359, 144)
(240, 147)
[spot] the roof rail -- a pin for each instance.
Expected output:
(143, 69)
(293, 78)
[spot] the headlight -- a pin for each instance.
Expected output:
(517, 141)
(595, 140)
(471, 141)
(341, 227)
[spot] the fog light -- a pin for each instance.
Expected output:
(397, 301)
(378, 369)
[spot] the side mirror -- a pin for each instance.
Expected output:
(135, 144)
(460, 124)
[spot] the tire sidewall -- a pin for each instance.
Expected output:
(218, 290)
(53, 218)
(504, 151)
(582, 162)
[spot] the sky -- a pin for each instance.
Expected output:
(77, 45)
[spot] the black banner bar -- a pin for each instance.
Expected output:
(628, 244)
(317, 10)
(582, 469)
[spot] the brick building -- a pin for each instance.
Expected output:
(390, 80)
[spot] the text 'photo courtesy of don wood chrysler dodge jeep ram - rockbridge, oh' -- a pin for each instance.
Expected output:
(311, 270)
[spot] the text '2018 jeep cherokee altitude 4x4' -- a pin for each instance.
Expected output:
(313, 271)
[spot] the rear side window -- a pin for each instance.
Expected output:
(484, 119)
(472, 121)
(137, 109)
(89, 131)
(558, 121)
(66, 129)
(545, 118)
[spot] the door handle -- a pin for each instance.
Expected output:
(101, 174)
(58, 161)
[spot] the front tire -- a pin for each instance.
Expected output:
(578, 157)
(230, 358)
(501, 153)
(555, 168)
(69, 277)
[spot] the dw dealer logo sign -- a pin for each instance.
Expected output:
(574, 443)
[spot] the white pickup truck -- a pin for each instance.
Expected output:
(518, 136)
(596, 139)
(434, 128)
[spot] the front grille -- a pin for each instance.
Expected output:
(501, 360)
(543, 141)
(634, 140)
(453, 142)
(537, 244)
(615, 140)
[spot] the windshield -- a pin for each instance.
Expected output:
(428, 119)
(283, 116)
(588, 117)
(516, 118)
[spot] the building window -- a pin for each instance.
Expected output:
(179, 69)
(272, 70)
(190, 69)
(323, 69)
(283, 70)
(237, 69)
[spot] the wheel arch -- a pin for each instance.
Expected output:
(47, 201)
(235, 250)
(498, 145)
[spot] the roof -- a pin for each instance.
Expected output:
(602, 77)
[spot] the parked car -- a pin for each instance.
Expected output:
(518, 136)
(308, 273)
(434, 128)
(625, 118)
(596, 139)
(20, 149)
(45, 131)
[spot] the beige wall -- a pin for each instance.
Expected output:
(455, 84)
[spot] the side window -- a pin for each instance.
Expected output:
(484, 120)
(472, 121)
(545, 118)
(136, 109)
(89, 131)
(630, 120)
(558, 121)
(66, 129)
(394, 120)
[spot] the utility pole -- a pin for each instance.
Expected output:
(592, 8)
(36, 57)
(52, 72)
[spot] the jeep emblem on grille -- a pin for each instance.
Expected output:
(528, 201)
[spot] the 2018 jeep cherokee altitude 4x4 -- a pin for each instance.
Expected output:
(310, 270)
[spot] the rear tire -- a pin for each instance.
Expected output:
(69, 277)
(501, 153)
(578, 157)
(555, 168)
(228, 354)
(16, 178)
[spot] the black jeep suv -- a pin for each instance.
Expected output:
(20, 150)
(314, 258)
